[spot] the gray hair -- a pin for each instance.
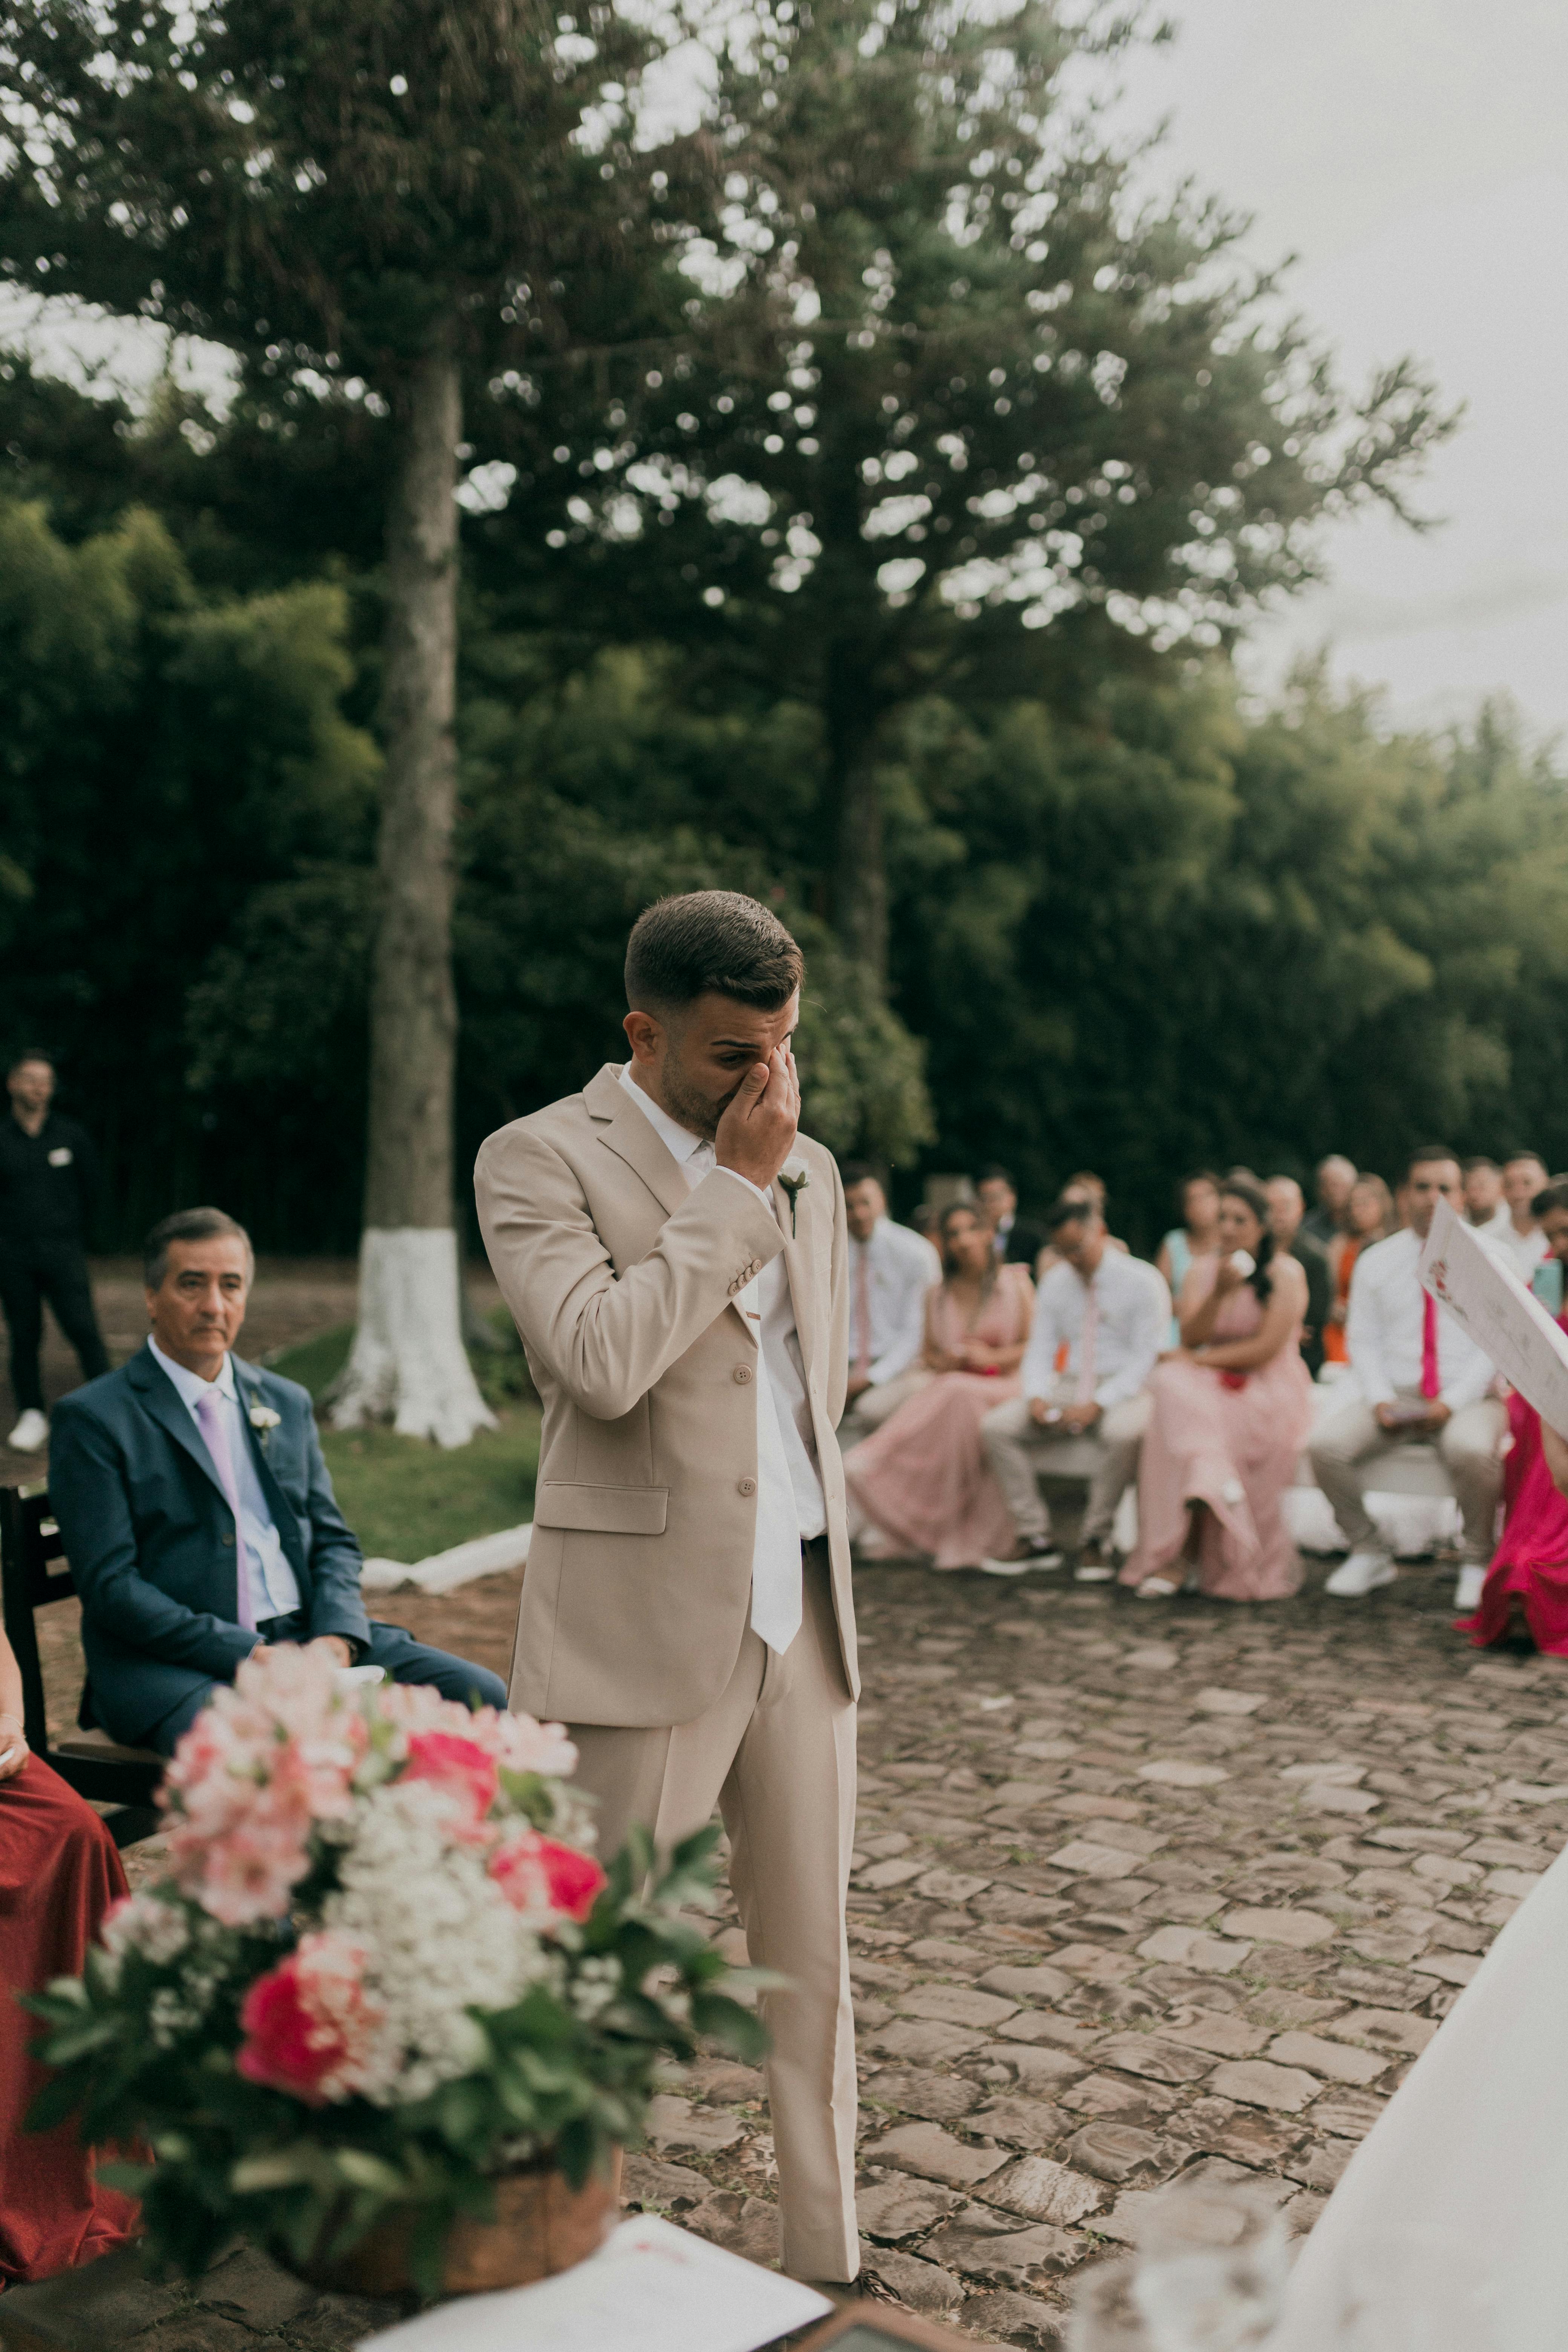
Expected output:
(189, 1225)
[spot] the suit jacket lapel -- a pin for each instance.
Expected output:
(247, 1386)
(624, 1131)
(167, 1407)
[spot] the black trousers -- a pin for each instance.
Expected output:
(31, 1272)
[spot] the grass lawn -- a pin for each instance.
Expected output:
(405, 1499)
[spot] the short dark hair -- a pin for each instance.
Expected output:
(997, 1174)
(187, 1225)
(1524, 1153)
(858, 1171)
(1070, 1210)
(30, 1053)
(1478, 1159)
(711, 942)
(1428, 1154)
(1551, 1196)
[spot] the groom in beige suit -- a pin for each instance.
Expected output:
(675, 1257)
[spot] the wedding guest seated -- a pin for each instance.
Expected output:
(1228, 1418)
(1085, 1186)
(1197, 1202)
(197, 1513)
(923, 1480)
(1332, 1178)
(1484, 1204)
(890, 1271)
(1523, 1176)
(1111, 1314)
(1287, 1211)
(58, 1875)
(1525, 1589)
(1418, 1374)
(1019, 1239)
(1369, 1217)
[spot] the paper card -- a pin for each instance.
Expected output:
(1506, 1321)
(650, 2288)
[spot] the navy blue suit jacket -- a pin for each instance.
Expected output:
(151, 1537)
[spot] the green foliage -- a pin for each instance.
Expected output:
(231, 2154)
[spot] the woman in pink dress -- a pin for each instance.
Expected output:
(1232, 1412)
(1526, 1591)
(922, 1479)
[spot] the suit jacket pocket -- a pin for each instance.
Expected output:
(602, 1510)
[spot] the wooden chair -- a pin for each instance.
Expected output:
(34, 1571)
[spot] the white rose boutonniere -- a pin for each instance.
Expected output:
(262, 1416)
(794, 1182)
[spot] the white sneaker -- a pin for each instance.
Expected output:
(1472, 1584)
(31, 1432)
(1364, 1572)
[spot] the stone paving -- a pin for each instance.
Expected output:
(1138, 1892)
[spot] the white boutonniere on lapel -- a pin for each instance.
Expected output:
(794, 1182)
(263, 1418)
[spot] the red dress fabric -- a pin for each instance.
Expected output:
(59, 1875)
(1530, 1567)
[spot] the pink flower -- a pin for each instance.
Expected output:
(250, 1874)
(462, 1769)
(538, 1874)
(310, 2026)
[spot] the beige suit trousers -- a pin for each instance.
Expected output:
(776, 1752)
(1351, 1441)
(1018, 1449)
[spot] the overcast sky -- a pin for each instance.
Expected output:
(1414, 153)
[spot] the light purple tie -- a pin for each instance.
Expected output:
(209, 1413)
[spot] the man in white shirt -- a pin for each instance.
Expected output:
(1484, 1207)
(891, 1271)
(1111, 1315)
(1523, 1176)
(1418, 1374)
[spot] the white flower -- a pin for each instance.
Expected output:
(143, 1923)
(263, 1417)
(442, 1937)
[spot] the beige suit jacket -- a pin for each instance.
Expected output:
(622, 1286)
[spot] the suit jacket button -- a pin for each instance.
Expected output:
(742, 1376)
(746, 1486)
(229, 1538)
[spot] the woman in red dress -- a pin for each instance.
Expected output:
(59, 1875)
(1526, 1591)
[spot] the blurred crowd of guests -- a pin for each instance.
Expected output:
(992, 1347)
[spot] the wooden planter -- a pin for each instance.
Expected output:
(541, 2225)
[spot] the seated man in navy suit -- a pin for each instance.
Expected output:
(198, 1516)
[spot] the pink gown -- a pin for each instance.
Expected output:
(923, 1478)
(1531, 1563)
(1232, 1447)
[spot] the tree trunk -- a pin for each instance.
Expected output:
(858, 882)
(409, 1360)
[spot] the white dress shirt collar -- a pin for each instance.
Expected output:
(677, 1141)
(191, 1385)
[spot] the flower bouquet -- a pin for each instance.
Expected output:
(384, 1971)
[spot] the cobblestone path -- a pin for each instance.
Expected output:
(1137, 1891)
(1140, 1891)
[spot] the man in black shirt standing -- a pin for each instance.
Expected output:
(47, 1170)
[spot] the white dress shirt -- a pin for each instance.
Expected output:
(889, 1276)
(1383, 1324)
(790, 1505)
(274, 1591)
(1525, 1251)
(1133, 1322)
